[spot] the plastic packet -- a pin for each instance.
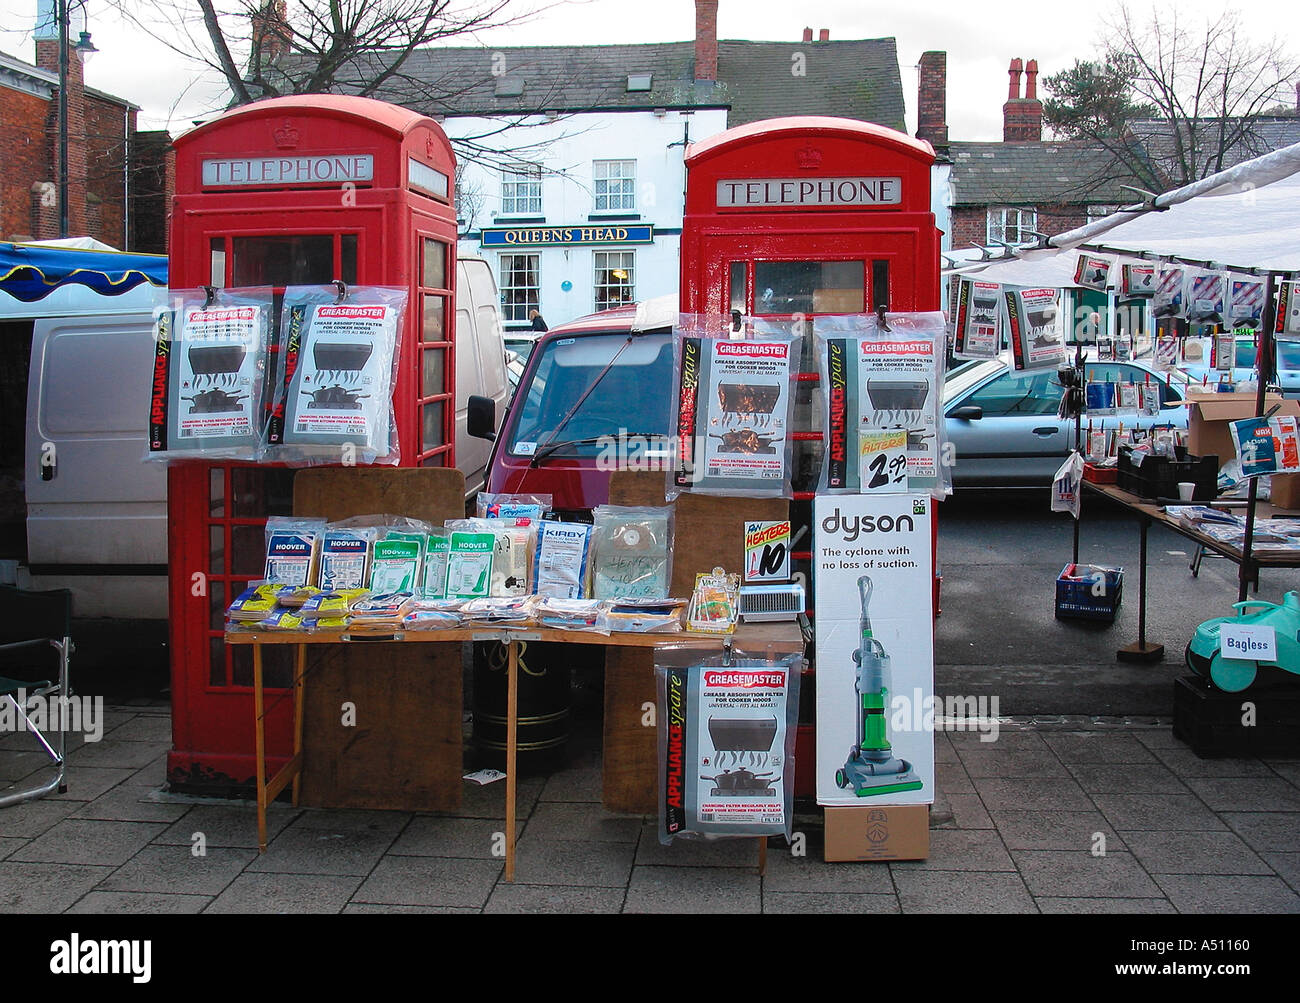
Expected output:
(726, 765)
(572, 614)
(338, 364)
(633, 547)
(382, 609)
(209, 375)
(561, 558)
(345, 556)
(1204, 296)
(977, 325)
(395, 563)
(292, 549)
(469, 564)
(715, 604)
(338, 602)
(515, 539)
(1034, 329)
(256, 601)
(882, 390)
(1247, 309)
(501, 506)
(645, 616)
(435, 565)
(512, 610)
(732, 409)
(431, 619)
(1168, 300)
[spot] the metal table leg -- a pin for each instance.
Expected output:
(1142, 651)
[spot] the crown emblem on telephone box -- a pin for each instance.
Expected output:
(286, 137)
(809, 158)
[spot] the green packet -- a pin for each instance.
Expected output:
(469, 565)
(395, 565)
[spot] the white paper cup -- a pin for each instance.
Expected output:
(1186, 489)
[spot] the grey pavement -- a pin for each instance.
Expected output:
(1082, 814)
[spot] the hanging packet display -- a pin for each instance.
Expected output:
(469, 565)
(1034, 329)
(977, 330)
(1205, 297)
(292, 549)
(1092, 272)
(1168, 300)
(633, 552)
(208, 374)
(1137, 281)
(345, 557)
(882, 390)
(1247, 307)
(1267, 445)
(561, 558)
(337, 369)
(395, 565)
(726, 746)
(1288, 308)
(732, 410)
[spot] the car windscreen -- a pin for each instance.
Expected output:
(633, 396)
(1288, 355)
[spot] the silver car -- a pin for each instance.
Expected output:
(1003, 425)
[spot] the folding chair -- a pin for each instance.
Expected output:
(29, 623)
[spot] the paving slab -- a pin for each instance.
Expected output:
(578, 783)
(1127, 778)
(85, 783)
(952, 778)
(1160, 738)
(1266, 830)
(430, 881)
(1080, 874)
(1055, 830)
(359, 908)
(489, 801)
(1105, 905)
(990, 762)
(128, 803)
(20, 765)
(1046, 793)
(556, 899)
(353, 820)
(438, 836)
(1287, 866)
(1009, 739)
(1194, 853)
(9, 844)
(101, 903)
(31, 818)
(176, 870)
(322, 851)
(114, 754)
(968, 811)
(693, 890)
(1246, 793)
(89, 841)
(1098, 747)
(585, 821)
(285, 893)
(572, 862)
(741, 853)
(226, 825)
(788, 873)
(807, 903)
(143, 728)
(961, 892)
(1184, 762)
(1208, 893)
(961, 850)
(1157, 811)
(45, 887)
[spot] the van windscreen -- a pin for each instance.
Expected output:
(633, 396)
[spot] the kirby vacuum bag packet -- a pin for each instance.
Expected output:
(732, 410)
(881, 393)
(726, 745)
(209, 371)
(337, 369)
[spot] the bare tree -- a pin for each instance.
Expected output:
(1173, 103)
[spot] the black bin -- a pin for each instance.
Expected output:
(545, 703)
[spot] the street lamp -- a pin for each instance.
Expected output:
(84, 47)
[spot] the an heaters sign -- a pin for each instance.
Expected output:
(311, 170)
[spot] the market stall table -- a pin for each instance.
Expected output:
(748, 637)
(1148, 512)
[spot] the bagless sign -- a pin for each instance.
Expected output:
(739, 193)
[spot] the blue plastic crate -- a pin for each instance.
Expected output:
(1075, 600)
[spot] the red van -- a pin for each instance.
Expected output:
(595, 397)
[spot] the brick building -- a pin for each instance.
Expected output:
(120, 180)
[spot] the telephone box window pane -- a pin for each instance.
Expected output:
(435, 318)
(738, 287)
(434, 374)
(784, 287)
(284, 261)
(348, 258)
(218, 254)
(277, 665)
(880, 284)
(434, 275)
(217, 549)
(432, 428)
(217, 492)
(217, 604)
(216, 662)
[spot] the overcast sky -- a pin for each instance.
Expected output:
(979, 37)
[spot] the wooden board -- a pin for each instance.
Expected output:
(631, 765)
(405, 751)
(708, 530)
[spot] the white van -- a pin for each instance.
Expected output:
(79, 508)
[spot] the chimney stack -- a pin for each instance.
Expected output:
(824, 35)
(706, 40)
(932, 100)
(807, 34)
(1022, 117)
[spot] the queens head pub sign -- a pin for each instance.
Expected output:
(540, 236)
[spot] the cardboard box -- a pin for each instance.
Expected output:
(1285, 491)
(1209, 414)
(878, 832)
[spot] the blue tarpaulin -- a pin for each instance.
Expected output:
(30, 272)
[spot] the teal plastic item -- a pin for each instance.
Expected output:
(1232, 675)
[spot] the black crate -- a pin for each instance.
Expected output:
(1075, 600)
(1159, 476)
(1210, 721)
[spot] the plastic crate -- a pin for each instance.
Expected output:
(1075, 600)
(1210, 721)
(1159, 476)
(1100, 475)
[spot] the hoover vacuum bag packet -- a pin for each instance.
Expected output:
(875, 649)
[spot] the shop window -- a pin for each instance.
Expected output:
(519, 279)
(786, 287)
(615, 278)
(1012, 225)
(521, 192)
(615, 185)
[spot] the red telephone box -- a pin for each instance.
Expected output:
(294, 191)
(794, 217)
